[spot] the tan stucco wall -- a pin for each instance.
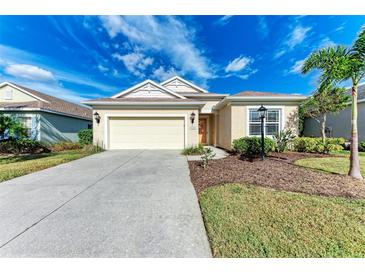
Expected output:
(212, 129)
(192, 131)
(291, 119)
(232, 122)
(238, 122)
(224, 127)
(18, 96)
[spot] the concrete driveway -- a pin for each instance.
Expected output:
(128, 203)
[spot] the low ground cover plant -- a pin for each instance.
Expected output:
(251, 146)
(194, 150)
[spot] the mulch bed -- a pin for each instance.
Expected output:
(277, 171)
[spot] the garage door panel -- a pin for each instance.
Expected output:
(146, 133)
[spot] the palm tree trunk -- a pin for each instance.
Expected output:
(323, 128)
(354, 156)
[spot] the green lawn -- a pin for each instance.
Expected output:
(15, 166)
(251, 221)
(334, 164)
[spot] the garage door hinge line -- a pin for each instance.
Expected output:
(72, 198)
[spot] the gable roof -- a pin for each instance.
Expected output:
(47, 103)
(185, 82)
(144, 83)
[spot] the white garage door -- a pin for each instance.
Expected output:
(146, 133)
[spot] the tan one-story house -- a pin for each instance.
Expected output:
(176, 114)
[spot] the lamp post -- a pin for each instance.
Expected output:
(262, 112)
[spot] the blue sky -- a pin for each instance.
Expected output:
(84, 57)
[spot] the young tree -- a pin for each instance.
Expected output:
(338, 64)
(12, 126)
(325, 100)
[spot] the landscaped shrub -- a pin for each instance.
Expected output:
(251, 146)
(22, 146)
(207, 156)
(92, 149)
(85, 136)
(194, 150)
(283, 140)
(362, 146)
(315, 145)
(61, 146)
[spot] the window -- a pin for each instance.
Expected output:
(271, 123)
(8, 95)
(27, 123)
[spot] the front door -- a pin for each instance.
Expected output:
(202, 131)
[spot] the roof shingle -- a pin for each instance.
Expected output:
(52, 104)
(262, 93)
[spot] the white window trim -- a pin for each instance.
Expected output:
(157, 115)
(281, 118)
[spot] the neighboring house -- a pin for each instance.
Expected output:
(339, 124)
(177, 114)
(47, 118)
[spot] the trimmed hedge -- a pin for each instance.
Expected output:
(85, 137)
(315, 145)
(22, 146)
(251, 146)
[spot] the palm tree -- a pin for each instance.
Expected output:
(338, 64)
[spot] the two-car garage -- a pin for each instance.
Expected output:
(146, 132)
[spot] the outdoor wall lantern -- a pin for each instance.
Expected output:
(97, 117)
(192, 117)
(263, 113)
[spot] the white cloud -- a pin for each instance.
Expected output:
(297, 67)
(136, 63)
(247, 75)
(238, 64)
(29, 72)
(162, 74)
(263, 26)
(59, 72)
(224, 20)
(326, 42)
(297, 36)
(168, 36)
(240, 67)
(103, 69)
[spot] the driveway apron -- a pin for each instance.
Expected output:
(126, 203)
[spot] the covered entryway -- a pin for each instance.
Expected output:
(146, 132)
